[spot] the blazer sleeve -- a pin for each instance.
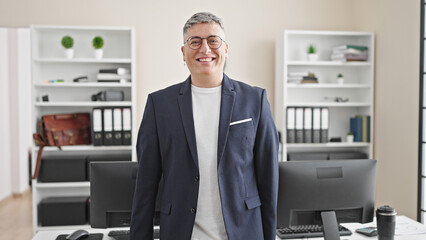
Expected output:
(266, 167)
(148, 177)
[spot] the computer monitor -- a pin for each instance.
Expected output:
(112, 186)
(307, 188)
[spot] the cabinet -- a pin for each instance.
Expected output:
(48, 62)
(358, 86)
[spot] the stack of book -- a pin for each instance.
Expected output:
(348, 53)
(302, 77)
(360, 127)
(114, 75)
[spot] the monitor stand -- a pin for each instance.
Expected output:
(330, 226)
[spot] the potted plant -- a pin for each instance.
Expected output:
(350, 137)
(98, 43)
(68, 42)
(340, 79)
(312, 53)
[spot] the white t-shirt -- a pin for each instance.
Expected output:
(209, 222)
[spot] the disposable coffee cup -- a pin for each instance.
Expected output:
(386, 219)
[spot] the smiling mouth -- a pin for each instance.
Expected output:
(206, 59)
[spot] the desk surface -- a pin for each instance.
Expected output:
(51, 235)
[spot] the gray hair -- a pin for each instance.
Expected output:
(202, 17)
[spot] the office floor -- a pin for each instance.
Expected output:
(15, 217)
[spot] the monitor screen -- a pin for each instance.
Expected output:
(307, 188)
(112, 185)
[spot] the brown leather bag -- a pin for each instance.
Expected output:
(60, 130)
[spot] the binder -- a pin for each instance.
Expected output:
(108, 134)
(307, 125)
(324, 125)
(291, 127)
(316, 125)
(117, 127)
(127, 126)
(364, 128)
(299, 125)
(356, 128)
(368, 128)
(97, 127)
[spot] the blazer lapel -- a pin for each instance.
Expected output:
(185, 106)
(226, 108)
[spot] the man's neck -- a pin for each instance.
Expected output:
(209, 81)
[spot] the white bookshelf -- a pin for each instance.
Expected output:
(49, 63)
(358, 87)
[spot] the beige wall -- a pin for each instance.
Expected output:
(251, 28)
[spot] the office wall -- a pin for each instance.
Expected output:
(5, 170)
(252, 27)
(15, 109)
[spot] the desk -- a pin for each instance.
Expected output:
(51, 235)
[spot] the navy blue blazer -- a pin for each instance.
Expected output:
(247, 158)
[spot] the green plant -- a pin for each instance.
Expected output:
(98, 42)
(67, 42)
(350, 133)
(312, 49)
(340, 75)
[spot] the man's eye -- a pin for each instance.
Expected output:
(195, 42)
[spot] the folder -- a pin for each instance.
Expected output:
(299, 125)
(127, 126)
(356, 128)
(117, 127)
(307, 125)
(364, 128)
(108, 136)
(97, 127)
(324, 125)
(316, 125)
(368, 128)
(291, 127)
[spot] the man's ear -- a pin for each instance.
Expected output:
(226, 50)
(183, 53)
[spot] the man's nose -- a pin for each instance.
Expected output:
(205, 48)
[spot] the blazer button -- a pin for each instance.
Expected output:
(197, 178)
(192, 210)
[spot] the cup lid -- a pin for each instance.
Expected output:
(387, 210)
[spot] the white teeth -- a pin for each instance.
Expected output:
(205, 59)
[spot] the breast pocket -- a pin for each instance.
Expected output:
(248, 122)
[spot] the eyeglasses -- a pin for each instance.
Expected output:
(213, 41)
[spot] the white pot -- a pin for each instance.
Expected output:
(99, 53)
(340, 80)
(350, 138)
(69, 53)
(312, 57)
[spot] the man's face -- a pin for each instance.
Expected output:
(205, 61)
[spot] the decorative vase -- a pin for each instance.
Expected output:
(340, 80)
(99, 53)
(69, 53)
(312, 57)
(350, 138)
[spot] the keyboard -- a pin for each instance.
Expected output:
(125, 234)
(308, 231)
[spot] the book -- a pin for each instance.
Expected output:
(112, 76)
(361, 56)
(349, 50)
(119, 71)
(347, 46)
(356, 128)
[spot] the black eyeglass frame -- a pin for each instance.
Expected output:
(196, 37)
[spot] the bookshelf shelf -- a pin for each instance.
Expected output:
(83, 104)
(329, 63)
(82, 60)
(83, 85)
(357, 88)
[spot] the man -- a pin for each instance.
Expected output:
(213, 141)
